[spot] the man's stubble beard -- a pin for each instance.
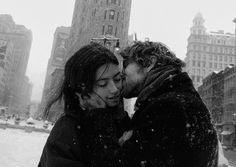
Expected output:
(134, 92)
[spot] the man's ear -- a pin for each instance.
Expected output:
(153, 62)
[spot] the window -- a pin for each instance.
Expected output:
(215, 65)
(103, 29)
(105, 15)
(118, 14)
(220, 65)
(204, 57)
(112, 15)
(203, 64)
(210, 57)
(210, 65)
(198, 78)
(113, 1)
(215, 58)
(220, 58)
(199, 64)
(119, 2)
(193, 62)
(199, 56)
(116, 32)
(94, 12)
(225, 58)
(109, 30)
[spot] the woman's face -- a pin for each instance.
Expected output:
(108, 84)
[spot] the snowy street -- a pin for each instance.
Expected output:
(21, 149)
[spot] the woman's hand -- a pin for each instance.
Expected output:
(91, 102)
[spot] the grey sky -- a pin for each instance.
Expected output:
(168, 21)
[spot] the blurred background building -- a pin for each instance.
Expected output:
(15, 45)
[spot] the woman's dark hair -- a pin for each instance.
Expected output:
(79, 74)
(141, 52)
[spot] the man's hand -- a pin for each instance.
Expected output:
(92, 101)
(126, 136)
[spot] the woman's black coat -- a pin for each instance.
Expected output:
(71, 142)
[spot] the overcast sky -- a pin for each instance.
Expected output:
(168, 21)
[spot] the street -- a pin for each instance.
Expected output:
(21, 149)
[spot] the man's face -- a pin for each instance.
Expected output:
(134, 76)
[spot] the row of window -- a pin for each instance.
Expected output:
(115, 2)
(210, 64)
(206, 39)
(211, 57)
(215, 49)
(196, 78)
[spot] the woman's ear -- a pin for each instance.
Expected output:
(153, 62)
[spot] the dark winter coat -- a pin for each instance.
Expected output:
(72, 141)
(172, 128)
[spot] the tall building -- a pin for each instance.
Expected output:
(56, 61)
(18, 43)
(208, 51)
(99, 18)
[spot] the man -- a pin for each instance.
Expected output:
(171, 125)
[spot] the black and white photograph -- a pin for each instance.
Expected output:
(117, 83)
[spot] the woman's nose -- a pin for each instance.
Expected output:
(113, 88)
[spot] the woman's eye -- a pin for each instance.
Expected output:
(102, 84)
(117, 79)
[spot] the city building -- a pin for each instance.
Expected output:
(229, 129)
(212, 93)
(6, 49)
(207, 51)
(218, 92)
(98, 19)
(17, 40)
(56, 61)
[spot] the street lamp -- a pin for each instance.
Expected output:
(112, 44)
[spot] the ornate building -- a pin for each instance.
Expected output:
(208, 52)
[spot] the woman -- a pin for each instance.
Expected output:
(92, 122)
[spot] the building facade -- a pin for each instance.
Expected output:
(18, 41)
(212, 93)
(218, 91)
(97, 19)
(208, 51)
(55, 62)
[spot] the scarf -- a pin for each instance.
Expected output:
(154, 80)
